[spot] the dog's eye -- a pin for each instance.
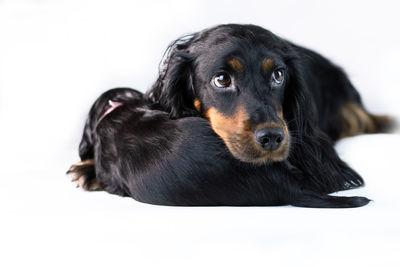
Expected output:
(222, 80)
(277, 76)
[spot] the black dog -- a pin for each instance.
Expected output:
(261, 117)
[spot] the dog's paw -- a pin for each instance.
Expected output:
(83, 175)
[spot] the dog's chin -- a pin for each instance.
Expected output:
(250, 153)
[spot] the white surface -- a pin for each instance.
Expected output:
(56, 57)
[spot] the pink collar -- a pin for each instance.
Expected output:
(111, 106)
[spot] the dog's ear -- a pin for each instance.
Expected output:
(312, 151)
(173, 90)
(298, 105)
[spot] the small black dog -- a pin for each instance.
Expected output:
(238, 116)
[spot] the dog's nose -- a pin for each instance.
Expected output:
(270, 138)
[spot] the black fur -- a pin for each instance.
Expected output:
(140, 152)
(161, 148)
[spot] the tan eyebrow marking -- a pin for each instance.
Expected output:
(267, 64)
(197, 104)
(235, 64)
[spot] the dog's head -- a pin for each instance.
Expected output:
(239, 77)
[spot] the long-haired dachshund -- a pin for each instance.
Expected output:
(238, 116)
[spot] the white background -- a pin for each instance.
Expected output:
(56, 57)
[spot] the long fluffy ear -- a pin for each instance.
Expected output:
(312, 151)
(173, 90)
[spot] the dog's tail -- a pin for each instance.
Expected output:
(83, 172)
(357, 120)
(313, 200)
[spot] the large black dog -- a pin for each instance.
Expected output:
(238, 116)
